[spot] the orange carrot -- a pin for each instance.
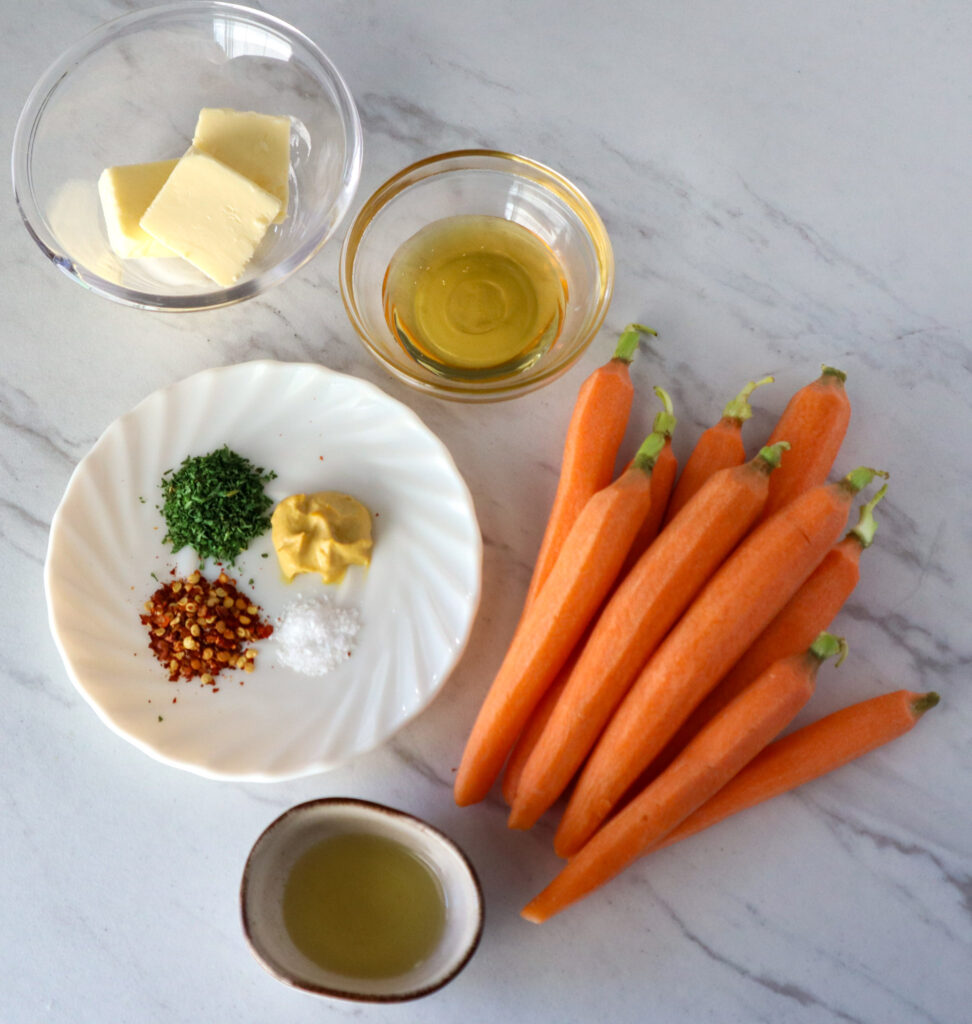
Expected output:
(635, 620)
(594, 436)
(522, 749)
(811, 609)
(662, 480)
(719, 752)
(735, 606)
(717, 448)
(533, 730)
(589, 561)
(807, 754)
(814, 422)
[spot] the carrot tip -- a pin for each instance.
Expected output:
(517, 820)
(924, 703)
(532, 915)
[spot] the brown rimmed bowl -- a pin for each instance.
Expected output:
(288, 837)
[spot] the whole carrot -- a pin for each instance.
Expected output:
(808, 753)
(664, 424)
(662, 481)
(735, 606)
(718, 447)
(814, 422)
(811, 609)
(594, 435)
(722, 749)
(635, 620)
(589, 561)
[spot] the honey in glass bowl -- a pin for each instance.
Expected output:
(475, 297)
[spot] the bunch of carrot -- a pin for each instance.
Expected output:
(674, 627)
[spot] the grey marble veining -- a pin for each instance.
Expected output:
(785, 185)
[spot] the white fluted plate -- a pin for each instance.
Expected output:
(318, 430)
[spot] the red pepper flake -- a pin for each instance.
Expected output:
(198, 627)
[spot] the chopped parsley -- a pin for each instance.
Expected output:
(215, 504)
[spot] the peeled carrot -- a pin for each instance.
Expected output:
(595, 433)
(807, 754)
(717, 448)
(719, 752)
(533, 730)
(662, 481)
(814, 422)
(635, 620)
(664, 423)
(735, 606)
(589, 560)
(811, 609)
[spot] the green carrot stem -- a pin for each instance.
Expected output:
(665, 421)
(859, 478)
(867, 524)
(647, 454)
(827, 645)
(772, 453)
(832, 371)
(628, 342)
(739, 408)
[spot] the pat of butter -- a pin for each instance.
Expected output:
(126, 193)
(210, 215)
(256, 145)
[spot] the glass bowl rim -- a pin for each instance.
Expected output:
(401, 181)
(59, 70)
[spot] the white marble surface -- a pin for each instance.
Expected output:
(784, 184)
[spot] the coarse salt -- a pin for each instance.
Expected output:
(315, 635)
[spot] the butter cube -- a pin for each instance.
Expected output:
(210, 215)
(126, 193)
(256, 145)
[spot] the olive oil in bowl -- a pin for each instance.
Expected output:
(475, 297)
(364, 906)
(350, 899)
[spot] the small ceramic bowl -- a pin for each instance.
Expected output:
(130, 92)
(479, 183)
(302, 827)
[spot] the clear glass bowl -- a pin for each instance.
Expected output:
(490, 183)
(130, 92)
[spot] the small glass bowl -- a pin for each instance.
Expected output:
(490, 183)
(130, 92)
(277, 850)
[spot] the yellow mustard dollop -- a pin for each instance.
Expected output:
(323, 533)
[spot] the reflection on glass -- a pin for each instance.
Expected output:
(238, 39)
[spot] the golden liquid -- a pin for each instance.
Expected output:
(475, 297)
(363, 906)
